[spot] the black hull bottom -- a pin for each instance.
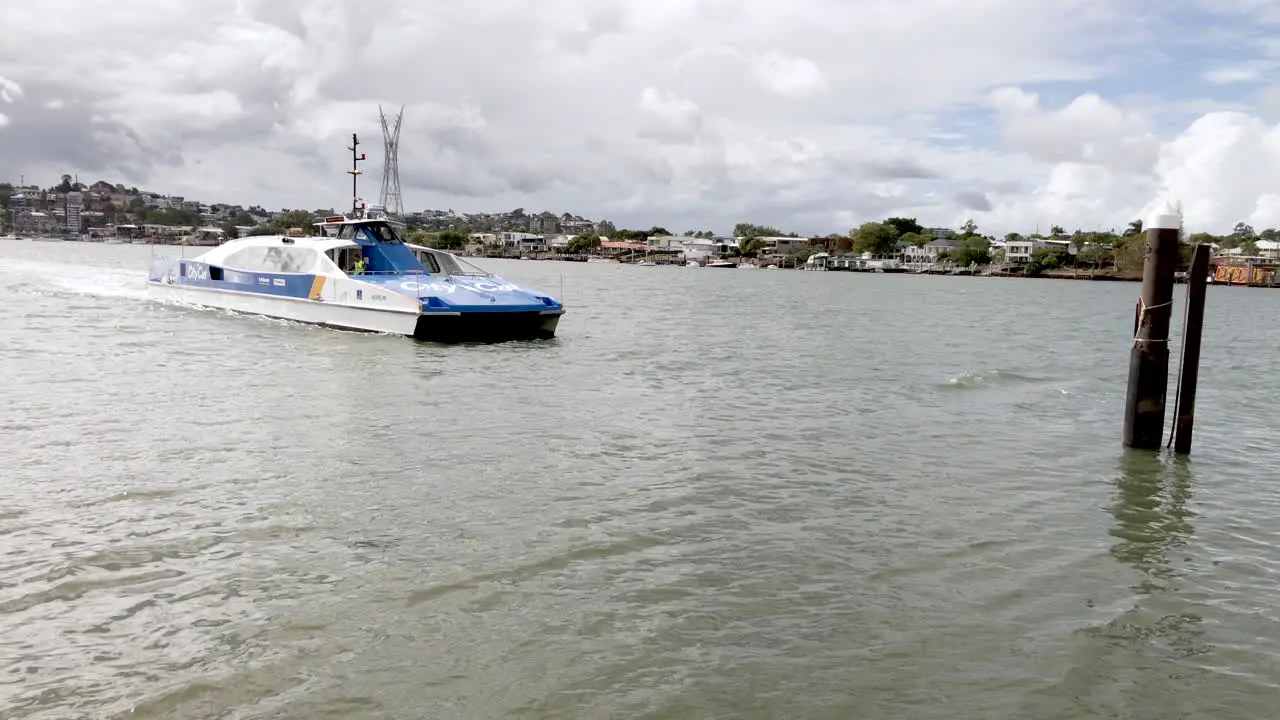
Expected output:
(486, 327)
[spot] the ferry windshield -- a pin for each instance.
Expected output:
(382, 233)
(452, 265)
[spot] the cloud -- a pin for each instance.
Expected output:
(1245, 72)
(788, 76)
(811, 115)
(668, 118)
(1087, 129)
(10, 91)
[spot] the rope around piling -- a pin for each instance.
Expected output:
(1142, 315)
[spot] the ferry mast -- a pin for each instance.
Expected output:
(355, 172)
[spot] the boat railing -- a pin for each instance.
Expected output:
(387, 273)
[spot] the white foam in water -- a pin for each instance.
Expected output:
(79, 279)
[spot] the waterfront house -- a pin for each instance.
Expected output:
(613, 248)
(918, 258)
(782, 245)
(523, 242)
(1021, 249)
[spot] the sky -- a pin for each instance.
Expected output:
(811, 116)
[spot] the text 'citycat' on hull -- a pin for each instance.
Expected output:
(357, 273)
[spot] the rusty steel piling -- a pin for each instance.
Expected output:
(1193, 328)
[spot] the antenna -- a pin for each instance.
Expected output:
(354, 172)
(390, 199)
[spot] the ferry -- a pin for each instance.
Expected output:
(357, 273)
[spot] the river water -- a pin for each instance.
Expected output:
(717, 494)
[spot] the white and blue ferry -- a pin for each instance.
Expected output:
(357, 273)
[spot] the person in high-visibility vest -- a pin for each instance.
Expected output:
(358, 269)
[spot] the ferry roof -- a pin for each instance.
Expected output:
(344, 220)
(219, 254)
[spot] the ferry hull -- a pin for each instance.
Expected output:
(287, 308)
(487, 326)
(447, 327)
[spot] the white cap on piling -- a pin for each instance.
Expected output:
(1164, 217)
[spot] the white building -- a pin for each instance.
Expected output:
(74, 207)
(927, 254)
(527, 242)
(1021, 250)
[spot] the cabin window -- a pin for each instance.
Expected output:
(346, 232)
(429, 262)
(273, 259)
(347, 259)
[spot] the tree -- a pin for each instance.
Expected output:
(1095, 255)
(631, 235)
(974, 249)
(905, 226)
(1045, 259)
(1056, 230)
(874, 238)
(969, 228)
(748, 230)
(291, 219)
(1078, 239)
(916, 239)
(1129, 253)
(1135, 228)
(449, 240)
(415, 236)
(1243, 237)
(172, 216)
(750, 247)
(584, 243)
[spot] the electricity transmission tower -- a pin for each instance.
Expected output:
(390, 198)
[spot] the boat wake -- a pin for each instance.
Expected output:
(971, 379)
(47, 278)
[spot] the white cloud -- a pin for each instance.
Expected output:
(789, 76)
(810, 115)
(1088, 129)
(668, 117)
(1225, 168)
(1245, 72)
(10, 91)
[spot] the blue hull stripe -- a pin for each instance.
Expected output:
(292, 285)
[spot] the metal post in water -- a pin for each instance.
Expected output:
(1149, 358)
(1196, 282)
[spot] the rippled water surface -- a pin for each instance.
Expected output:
(717, 494)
